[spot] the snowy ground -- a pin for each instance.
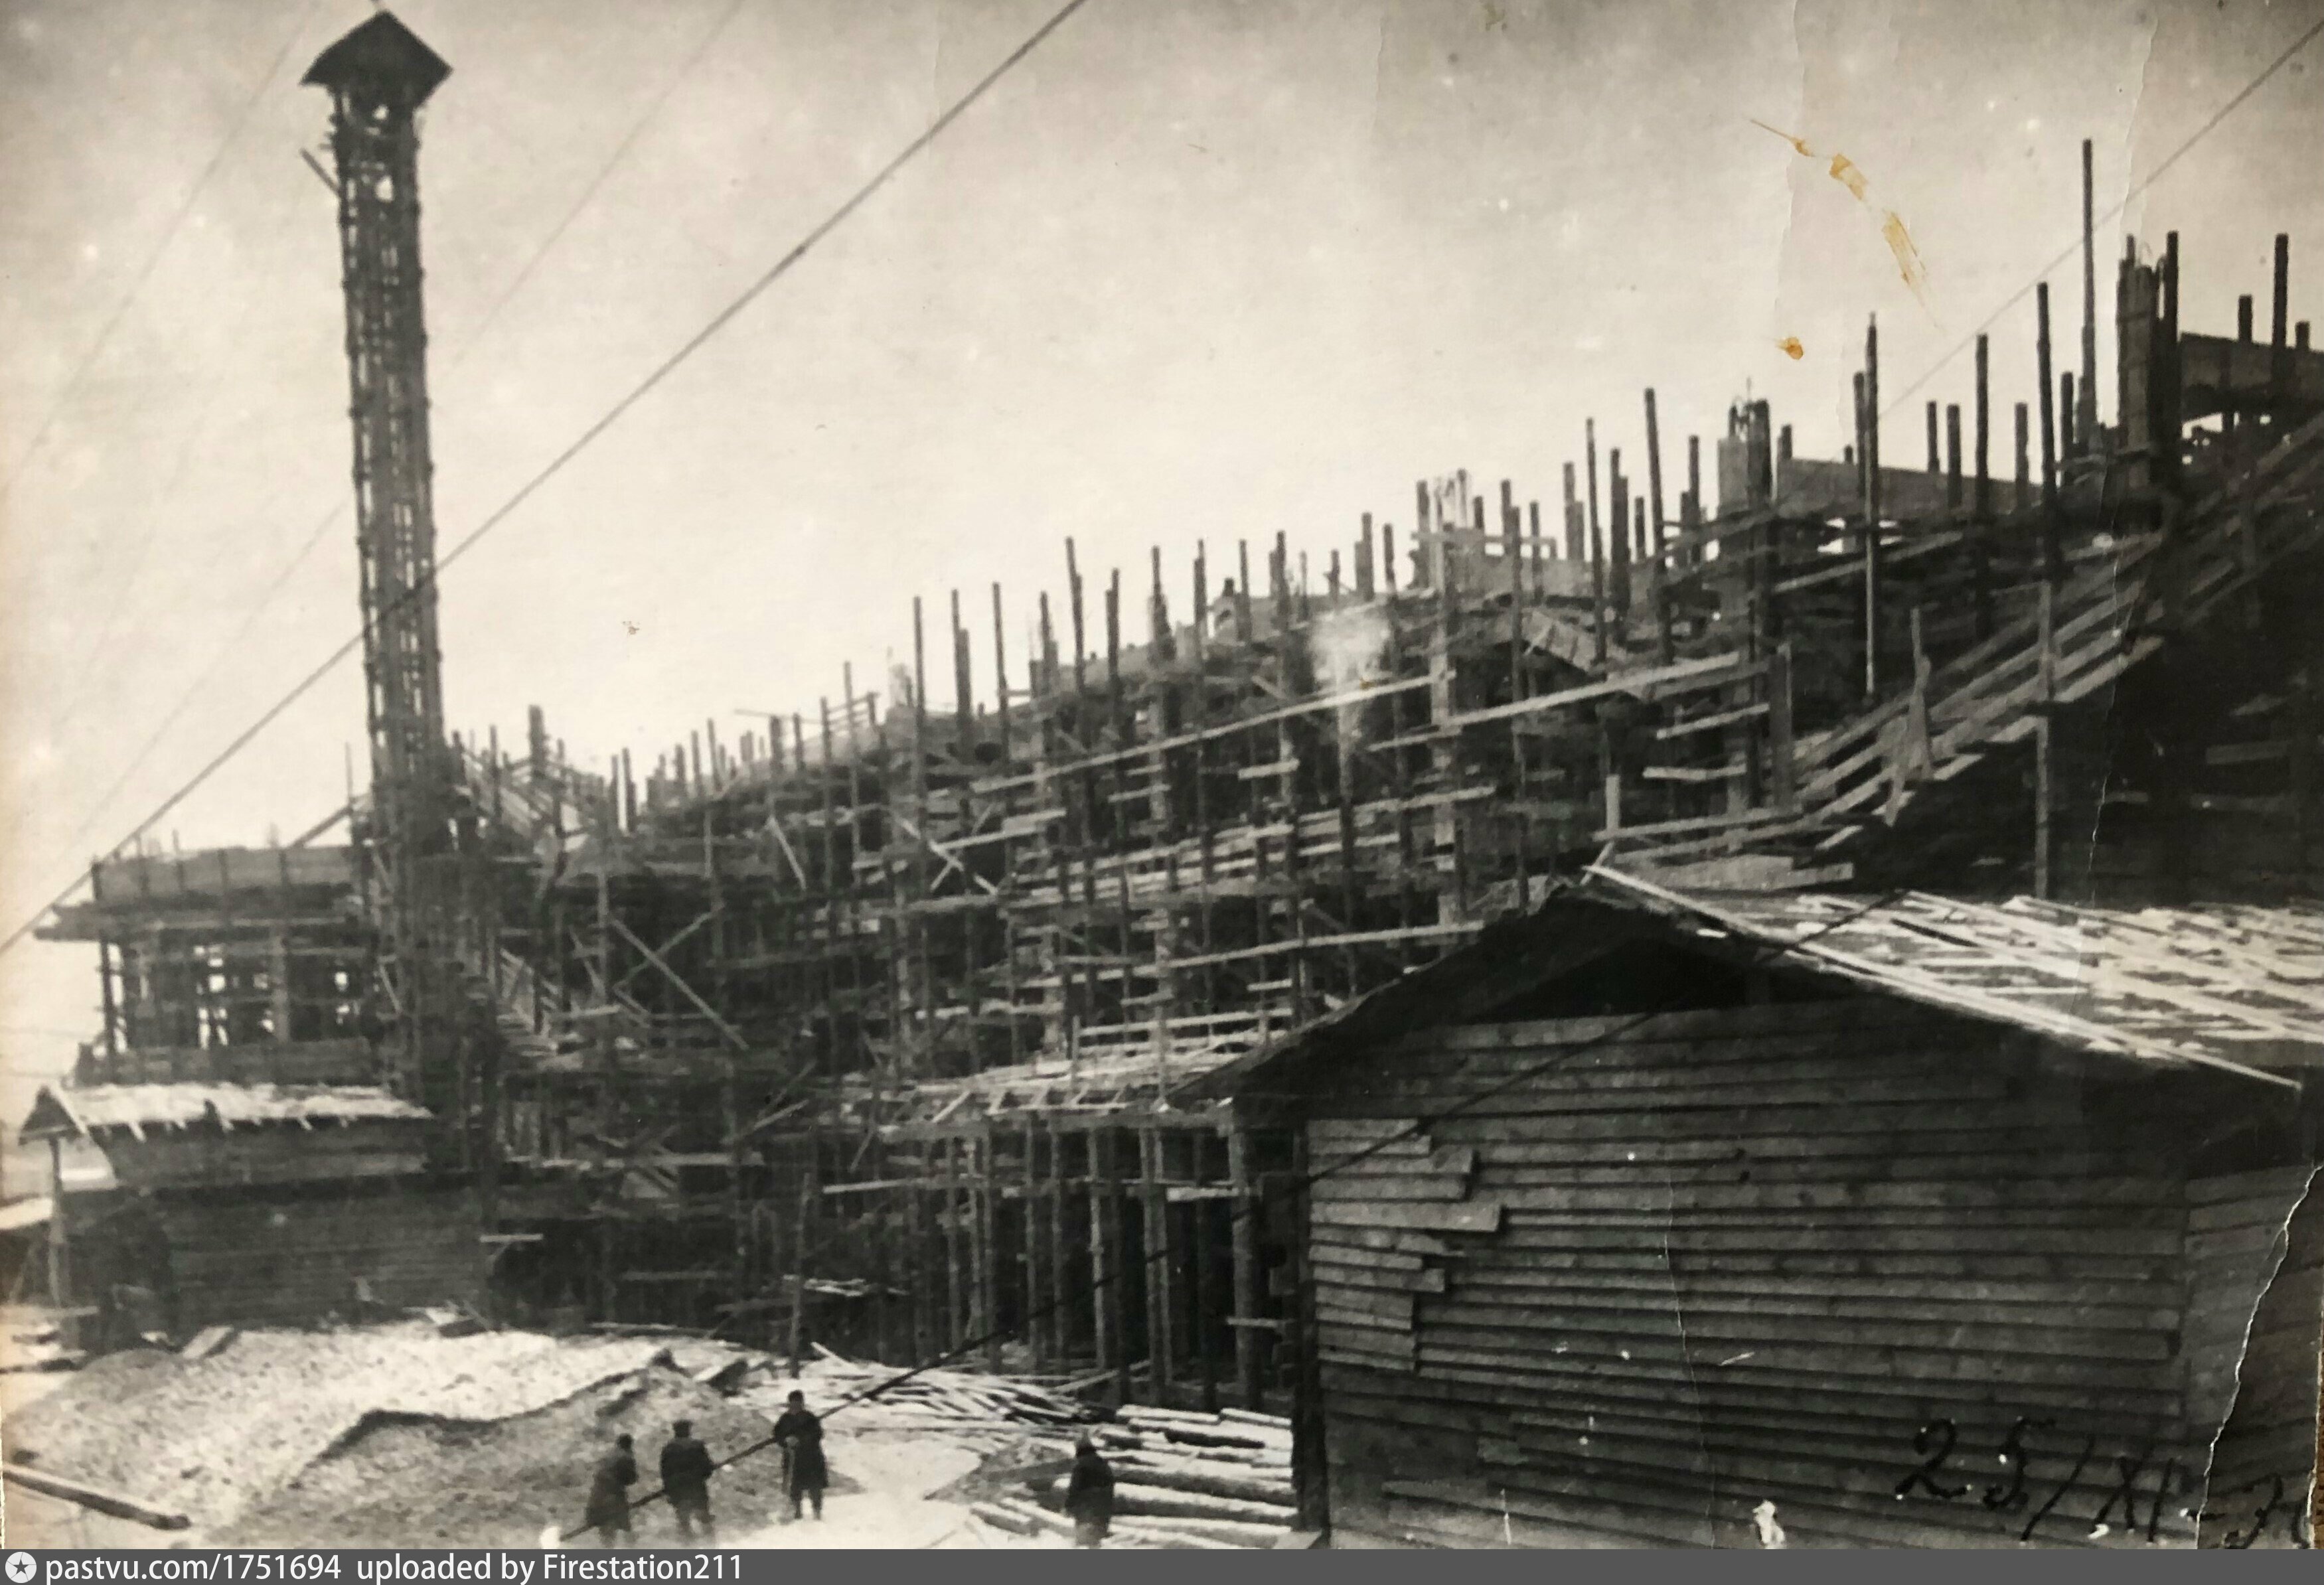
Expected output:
(493, 1437)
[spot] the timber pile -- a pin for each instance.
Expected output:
(1180, 1479)
(943, 1396)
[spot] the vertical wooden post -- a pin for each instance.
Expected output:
(105, 974)
(1618, 540)
(2168, 377)
(964, 700)
(2086, 415)
(1597, 547)
(60, 1243)
(1160, 1258)
(988, 1248)
(1577, 548)
(1871, 455)
(1980, 528)
(920, 1275)
(2049, 396)
(798, 1265)
(1107, 1277)
(1691, 510)
(2044, 747)
(2024, 495)
(2279, 374)
(1038, 1312)
(959, 1307)
(1659, 534)
(1250, 1375)
(1511, 534)
(1782, 782)
(1060, 1328)
(1952, 458)
(1310, 1469)
(1202, 1322)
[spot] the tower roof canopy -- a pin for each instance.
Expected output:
(381, 55)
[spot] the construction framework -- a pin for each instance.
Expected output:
(875, 1024)
(876, 1015)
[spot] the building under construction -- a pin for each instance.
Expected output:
(876, 1025)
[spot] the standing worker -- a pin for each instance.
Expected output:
(686, 1470)
(801, 1435)
(609, 1494)
(1089, 1495)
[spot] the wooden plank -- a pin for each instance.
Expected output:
(1391, 1190)
(1410, 1282)
(1458, 1219)
(96, 1499)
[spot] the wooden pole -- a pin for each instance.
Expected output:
(59, 1242)
(1159, 1257)
(2024, 486)
(1037, 1298)
(1000, 672)
(1106, 1275)
(1871, 455)
(1249, 1361)
(959, 1313)
(1692, 509)
(920, 1275)
(2044, 747)
(1659, 577)
(1203, 1323)
(96, 1499)
(1952, 458)
(988, 1252)
(964, 700)
(1618, 539)
(2086, 415)
(797, 1339)
(1980, 557)
(1597, 547)
(2049, 431)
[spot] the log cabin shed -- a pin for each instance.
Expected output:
(254, 1203)
(1810, 1219)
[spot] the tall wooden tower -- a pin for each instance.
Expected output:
(378, 76)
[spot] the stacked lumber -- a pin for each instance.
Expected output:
(1220, 1479)
(1019, 1517)
(941, 1395)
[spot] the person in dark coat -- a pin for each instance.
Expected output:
(609, 1494)
(686, 1470)
(1089, 1495)
(801, 1436)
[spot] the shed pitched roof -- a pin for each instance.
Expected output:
(2237, 988)
(68, 1110)
(2221, 986)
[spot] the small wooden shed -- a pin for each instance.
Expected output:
(254, 1204)
(1653, 1220)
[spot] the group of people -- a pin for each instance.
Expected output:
(687, 1467)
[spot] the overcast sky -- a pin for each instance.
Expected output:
(1192, 270)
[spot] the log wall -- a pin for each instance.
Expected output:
(1909, 1280)
(286, 1258)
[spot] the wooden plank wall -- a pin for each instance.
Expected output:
(203, 1156)
(294, 1258)
(2265, 1463)
(1654, 1275)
